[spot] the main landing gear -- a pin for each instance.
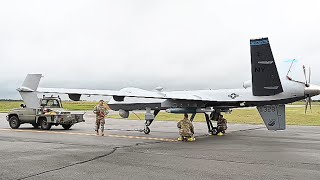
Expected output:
(211, 130)
(213, 117)
(192, 117)
(149, 117)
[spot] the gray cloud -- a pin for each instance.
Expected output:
(175, 44)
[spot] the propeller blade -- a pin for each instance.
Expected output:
(310, 100)
(306, 107)
(309, 75)
(305, 75)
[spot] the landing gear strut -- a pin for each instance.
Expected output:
(149, 117)
(211, 130)
(192, 117)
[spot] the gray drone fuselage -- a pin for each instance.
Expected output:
(221, 98)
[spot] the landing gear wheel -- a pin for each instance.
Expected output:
(214, 131)
(66, 126)
(14, 122)
(146, 130)
(44, 124)
(35, 126)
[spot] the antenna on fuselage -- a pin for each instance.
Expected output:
(293, 60)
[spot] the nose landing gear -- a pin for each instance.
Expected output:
(146, 130)
(149, 117)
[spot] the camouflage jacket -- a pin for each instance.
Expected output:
(186, 127)
(222, 122)
(100, 111)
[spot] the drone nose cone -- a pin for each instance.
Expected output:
(312, 90)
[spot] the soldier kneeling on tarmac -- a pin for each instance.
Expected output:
(221, 125)
(186, 129)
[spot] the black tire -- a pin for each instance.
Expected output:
(14, 122)
(35, 126)
(220, 129)
(214, 132)
(146, 130)
(66, 126)
(44, 124)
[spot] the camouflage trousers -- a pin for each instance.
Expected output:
(222, 128)
(185, 133)
(100, 124)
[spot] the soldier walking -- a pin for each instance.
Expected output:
(101, 112)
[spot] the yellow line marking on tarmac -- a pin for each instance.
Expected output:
(92, 134)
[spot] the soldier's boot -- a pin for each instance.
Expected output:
(220, 134)
(191, 138)
(97, 132)
(102, 134)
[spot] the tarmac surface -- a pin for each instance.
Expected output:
(245, 152)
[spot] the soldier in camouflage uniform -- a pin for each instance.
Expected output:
(222, 124)
(186, 129)
(101, 112)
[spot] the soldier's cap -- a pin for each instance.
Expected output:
(101, 100)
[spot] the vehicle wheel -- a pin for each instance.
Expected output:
(14, 122)
(66, 126)
(44, 124)
(35, 126)
(219, 129)
(146, 130)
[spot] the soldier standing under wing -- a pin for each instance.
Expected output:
(101, 112)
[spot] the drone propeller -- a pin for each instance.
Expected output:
(305, 76)
(309, 75)
(307, 84)
(308, 102)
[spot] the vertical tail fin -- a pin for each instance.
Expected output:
(28, 90)
(32, 81)
(265, 77)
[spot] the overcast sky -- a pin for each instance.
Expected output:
(144, 43)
